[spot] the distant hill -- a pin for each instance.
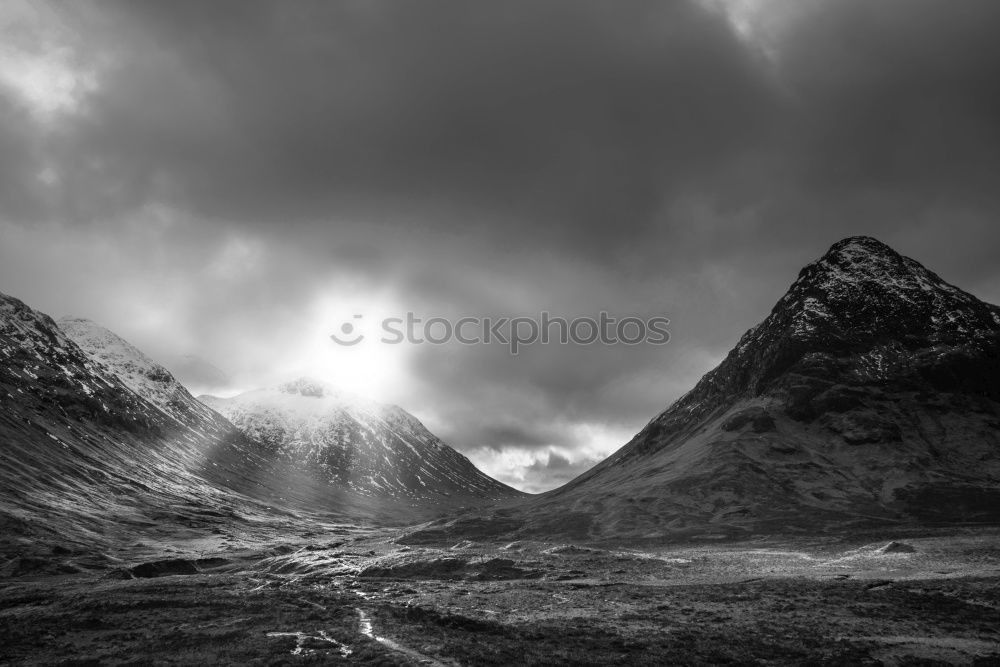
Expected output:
(355, 443)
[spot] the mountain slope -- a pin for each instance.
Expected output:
(870, 393)
(355, 443)
(83, 455)
(122, 360)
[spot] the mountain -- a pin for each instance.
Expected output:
(869, 395)
(99, 445)
(85, 457)
(355, 443)
(148, 379)
(371, 440)
(336, 438)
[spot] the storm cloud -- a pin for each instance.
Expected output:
(233, 179)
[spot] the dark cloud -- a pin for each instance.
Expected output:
(501, 114)
(897, 96)
(225, 178)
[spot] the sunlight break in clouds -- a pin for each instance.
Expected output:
(759, 23)
(547, 468)
(38, 61)
(370, 368)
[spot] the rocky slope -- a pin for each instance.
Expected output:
(353, 443)
(870, 394)
(118, 358)
(83, 455)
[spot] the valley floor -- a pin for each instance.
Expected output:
(363, 597)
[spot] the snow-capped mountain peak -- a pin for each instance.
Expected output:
(325, 394)
(31, 345)
(133, 368)
(306, 386)
(17, 319)
(862, 285)
(354, 442)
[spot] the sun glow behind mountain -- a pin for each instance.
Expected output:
(368, 368)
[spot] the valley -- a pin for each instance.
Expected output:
(344, 594)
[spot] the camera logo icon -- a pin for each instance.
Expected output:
(348, 329)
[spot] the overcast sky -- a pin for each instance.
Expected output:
(236, 179)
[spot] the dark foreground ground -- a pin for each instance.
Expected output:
(360, 597)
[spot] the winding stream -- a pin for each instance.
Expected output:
(365, 627)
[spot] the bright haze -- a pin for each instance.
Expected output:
(234, 180)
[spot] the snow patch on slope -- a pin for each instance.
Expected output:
(116, 356)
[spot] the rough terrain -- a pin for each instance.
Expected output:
(364, 597)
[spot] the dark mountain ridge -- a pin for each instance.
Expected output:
(860, 316)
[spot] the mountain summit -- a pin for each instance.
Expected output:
(133, 368)
(862, 292)
(860, 316)
(870, 393)
(354, 443)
